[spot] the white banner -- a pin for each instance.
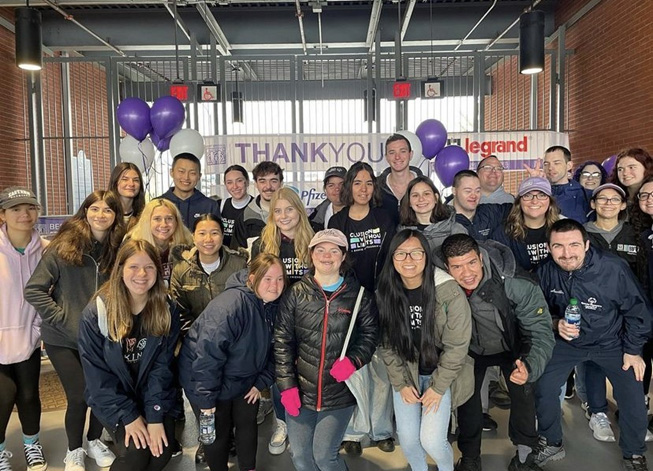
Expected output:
(305, 157)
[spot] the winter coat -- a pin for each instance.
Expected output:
(318, 216)
(20, 332)
(111, 392)
(436, 232)
(193, 207)
(486, 218)
(517, 307)
(228, 348)
(60, 292)
(615, 313)
(249, 225)
(625, 243)
(573, 200)
(192, 287)
(310, 333)
(390, 202)
(455, 369)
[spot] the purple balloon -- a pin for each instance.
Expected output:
(450, 161)
(167, 116)
(163, 144)
(134, 117)
(608, 164)
(433, 136)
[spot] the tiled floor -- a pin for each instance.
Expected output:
(583, 452)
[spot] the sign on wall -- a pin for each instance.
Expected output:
(305, 157)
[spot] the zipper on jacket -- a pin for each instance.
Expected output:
(320, 370)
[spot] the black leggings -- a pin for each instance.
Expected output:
(19, 384)
(133, 459)
(69, 368)
(228, 414)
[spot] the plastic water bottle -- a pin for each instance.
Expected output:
(572, 313)
(207, 427)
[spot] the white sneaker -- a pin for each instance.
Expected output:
(75, 460)
(100, 453)
(600, 426)
(649, 436)
(5, 465)
(278, 440)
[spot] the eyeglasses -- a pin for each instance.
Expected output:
(416, 255)
(530, 196)
(606, 200)
(643, 196)
(491, 168)
(591, 174)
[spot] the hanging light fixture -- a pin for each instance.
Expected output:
(237, 101)
(531, 42)
(28, 38)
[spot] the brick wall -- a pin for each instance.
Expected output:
(14, 143)
(610, 104)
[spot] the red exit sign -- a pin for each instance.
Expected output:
(179, 91)
(401, 90)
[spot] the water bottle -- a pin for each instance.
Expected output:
(207, 427)
(572, 313)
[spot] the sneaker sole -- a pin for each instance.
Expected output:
(557, 457)
(277, 450)
(41, 467)
(607, 439)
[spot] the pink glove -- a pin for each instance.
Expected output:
(342, 369)
(290, 400)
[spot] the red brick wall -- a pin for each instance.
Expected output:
(14, 142)
(610, 102)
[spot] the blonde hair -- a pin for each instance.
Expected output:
(259, 266)
(515, 226)
(143, 228)
(155, 316)
(271, 235)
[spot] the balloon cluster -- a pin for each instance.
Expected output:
(429, 141)
(163, 123)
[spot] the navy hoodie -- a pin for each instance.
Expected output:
(193, 207)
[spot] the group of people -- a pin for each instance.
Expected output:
(379, 315)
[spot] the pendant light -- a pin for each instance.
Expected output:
(531, 42)
(28, 38)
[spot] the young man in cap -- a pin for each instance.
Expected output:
(333, 179)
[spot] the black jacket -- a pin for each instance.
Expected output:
(111, 392)
(390, 202)
(60, 291)
(615, 313)
(486, 218)
(625, 244)
(228, 348)
(310, 333)
(249, 224)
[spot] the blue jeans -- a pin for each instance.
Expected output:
(315, 438)
(627, 390)
(420, 434)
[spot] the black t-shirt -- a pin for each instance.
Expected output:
(295, 269)
(365, 239)
(536, 245)
(229, 216)
(133, 346)
(416, 307)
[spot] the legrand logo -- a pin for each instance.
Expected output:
(487, 148)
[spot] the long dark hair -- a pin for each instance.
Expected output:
(407, 214)
(394, 311)
(139, 201)
(346, 196)
(75, 238)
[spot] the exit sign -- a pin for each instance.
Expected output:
(179, 91)
(401, 90)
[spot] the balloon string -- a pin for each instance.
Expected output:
(145, 166)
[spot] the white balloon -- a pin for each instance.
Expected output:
(139, 153)
(416, 146)
(187, 140)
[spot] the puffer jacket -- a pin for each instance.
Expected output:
(310, 333)
(455, 370)
(192, 287)
(20, 331)
(60, 292)
(111, 391)
(228, 348)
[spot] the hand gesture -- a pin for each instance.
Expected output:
(520, 374)
(536, 171)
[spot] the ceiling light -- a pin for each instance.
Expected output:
(531, 42)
